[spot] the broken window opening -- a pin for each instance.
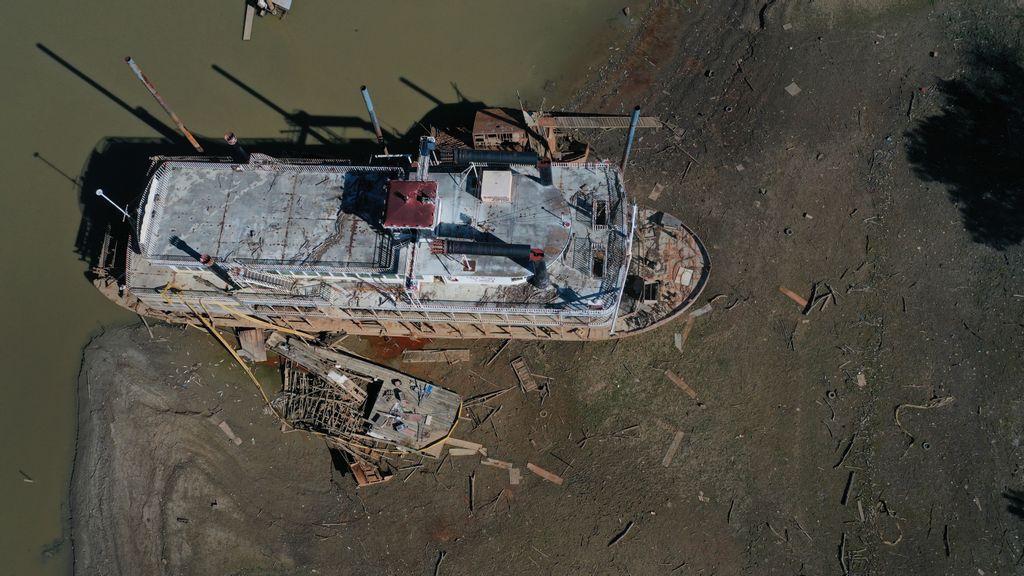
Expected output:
(598, 266)
(601, 213)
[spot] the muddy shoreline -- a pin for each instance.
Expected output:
(789, 461)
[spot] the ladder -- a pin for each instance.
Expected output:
(245, 276)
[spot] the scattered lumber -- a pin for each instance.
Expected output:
(365, 473)
(463, 452)
(678, 381)
(687, 328)
(496, 463)
(464, 444)
(549, 476)
(701, 311)
(434, 450)
(446, 356)
(498, 353)
(485, 397)
(226, 428)
(526, 381)
(656, 192)
(250, 15)
(672, 449)
(793, 296)
(252, 343)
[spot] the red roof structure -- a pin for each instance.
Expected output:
(411, 204)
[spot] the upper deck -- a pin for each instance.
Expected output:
(328, 233)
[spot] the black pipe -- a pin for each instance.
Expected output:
(237, 152)
(544, 169)
(519, 252)
(468, 155)
(540, 278)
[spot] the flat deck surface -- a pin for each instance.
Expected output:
(311, 221)
(413, 413)
(287, 216)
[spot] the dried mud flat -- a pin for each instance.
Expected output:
(878, 434)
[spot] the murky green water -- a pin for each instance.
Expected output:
(314, 61)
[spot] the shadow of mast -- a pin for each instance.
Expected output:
(307, 125)
(139, 112)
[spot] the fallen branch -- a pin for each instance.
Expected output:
(845, 452)
(480, 399)
(440, 558)
(933, 403)
(842, 554)
(621, 534)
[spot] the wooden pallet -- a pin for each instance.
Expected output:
(526, 381)
(367, 474)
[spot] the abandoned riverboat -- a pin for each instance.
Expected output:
(510, 236)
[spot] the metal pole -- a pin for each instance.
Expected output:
(373, 117)
(629, 139)
(159, 99)
(99, 192)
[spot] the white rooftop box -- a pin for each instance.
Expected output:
(496, 186)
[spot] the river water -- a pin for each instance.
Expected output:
(314, 61)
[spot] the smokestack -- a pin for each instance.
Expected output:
(373, 117)
(544, 170)
(427, 146)
(629, 139)
(540, 279)
(239, 153)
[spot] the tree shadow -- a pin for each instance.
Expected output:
(973, 147)
(1015, 502)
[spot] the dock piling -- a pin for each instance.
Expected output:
(159, 99)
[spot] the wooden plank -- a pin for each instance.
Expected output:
(496, 463)
(687, 328)
(434, 450)
(250, 15)
(252, 343)
(597, 122)
(496, 354)
(793, 296)
(658, 188)
(229, 432)
(678, 381)
(463, 444)
(515, 476)
(463, 452)
(549, 476)
(423, 356)
(672, 449)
